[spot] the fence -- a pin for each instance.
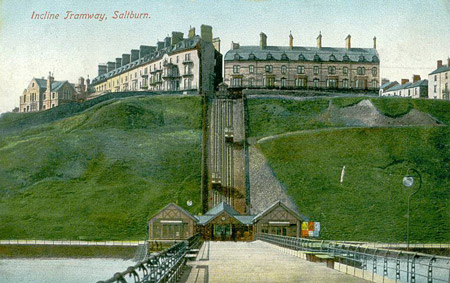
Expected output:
(370, 262)
(71, 243)
(163, 267)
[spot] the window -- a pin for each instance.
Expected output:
(332, 70)
(316, 82)
(237, 82)
(435, 89)
(251, 69)
(269, 81)
(435, 77)
(316, 70)
(409, 92)
(269, 68)
(374, 71)
(300, 69)
(251, 82)
(53, 96)
(177, 59)
(283, 69)
(345, 70)
(283, 82)
(361, 71)
(45, 96)
(446, 75)
(187, 57)
(236, 69)
(331, 83)
(300, 82)
(345, 83)
(32, 85)
(374, 84)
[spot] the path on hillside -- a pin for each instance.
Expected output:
(303, 98)
(257, 262)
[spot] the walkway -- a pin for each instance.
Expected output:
(256, 262)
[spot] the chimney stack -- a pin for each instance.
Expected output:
(374, 42)
(167, 41)
(118, 62)
(404, 81)
(234, 45)
(206, 33)
(110, 66)
(102, 69)
(291, 41)
(416, 78)
(159, 45)
(191, 32)
(145, 50)
(216, 43)
(319, 40)
(177, 37)
(448, 62)
(125, 59)
(134, 55)
(50, 80)
(439, 63)
(348, 42)
(262, 40)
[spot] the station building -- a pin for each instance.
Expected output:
(301, 67)
(223, 222)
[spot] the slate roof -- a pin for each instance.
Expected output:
(388, 85)
(56, 85)
(187, 43)
(179, 208)
(440, 70)
(419, 83)
(300, 53)
(42, 83)
(222, 207)
(399, 86)
(279, 203)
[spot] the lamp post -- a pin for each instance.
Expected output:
(408, 181)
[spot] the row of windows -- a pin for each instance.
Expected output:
(301, 70)
(302, 82)
(446, 77)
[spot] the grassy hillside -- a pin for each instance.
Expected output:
(371, 203)
(102, 173)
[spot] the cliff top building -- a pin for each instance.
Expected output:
(175, 64)
(438, 81)
(266, 66)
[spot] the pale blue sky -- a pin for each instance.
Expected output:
(412, 34)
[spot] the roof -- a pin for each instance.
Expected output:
(419, 83)
(399, 86)
(56, 85)
(440, 70)
(177, 207)
(276, 204)
(42, 83)
(300, 53)
(187, 43)
(388, 85)
(222, 207)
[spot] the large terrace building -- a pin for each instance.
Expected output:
(192, 64)
(438, 81)
(304, 67)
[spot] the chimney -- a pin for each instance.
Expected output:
(448, 62)
(206, 33)
(439, 63)
(262, 40)
(404, 81)
(102, 69)
(125, 59)
(191, 32)
(110, 66)
(50, 80)
(374, 42)
(348, 42)
(145, 50)
(216, 43)
(416, 78)
(134, 55)
(319, 40)
(177, 37)
(167, 41)
(291, 41)
(234, 45)
(88, 82)
(118, 62)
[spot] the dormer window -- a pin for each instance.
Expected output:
(362, 58)
(237, 57)
(317, 58)
(345, 58)
(332, 58)
(301, 57)
(269, 56)
(251, 56)
(375, 59)
(284, 57)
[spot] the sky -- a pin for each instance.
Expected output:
(411, 34)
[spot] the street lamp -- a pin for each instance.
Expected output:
(408, 181)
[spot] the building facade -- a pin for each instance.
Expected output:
(43, 94)
(418, 88)
(438, 81)
(192, 64)
(301, 67)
